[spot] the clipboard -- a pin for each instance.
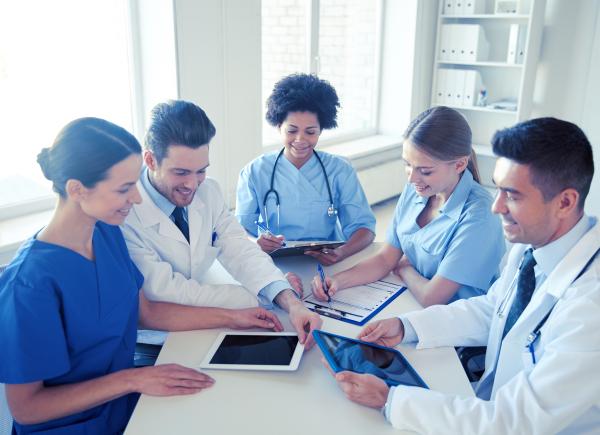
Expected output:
(356, 305)
(299, 248)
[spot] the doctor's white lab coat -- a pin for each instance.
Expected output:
(560, 393)
(176, 271)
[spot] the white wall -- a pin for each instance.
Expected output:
(218, 63)
(567, 77)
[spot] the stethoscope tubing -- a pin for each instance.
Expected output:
(330, 211)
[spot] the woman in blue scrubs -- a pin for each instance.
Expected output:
(70, 301)
(300, 194)
(444, 242)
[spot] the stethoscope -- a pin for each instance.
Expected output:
(331, 211)
(507, 296)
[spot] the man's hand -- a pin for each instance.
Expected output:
(268, 242)
(364, 389)
(254, 318)
(168, 380)
(296, 283)
(302, 319)
(327, 257)
(387, 332)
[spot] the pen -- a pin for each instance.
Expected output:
(329, 313)
(266, 230)
(322, 275)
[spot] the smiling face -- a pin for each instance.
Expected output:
(180, 172)
(526, 216)
(428, 175)
(111, 199)
(300, 133)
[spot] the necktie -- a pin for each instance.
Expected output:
(525, 288)
(181, 222)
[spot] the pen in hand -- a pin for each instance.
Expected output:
(266, 230)
(322, 275)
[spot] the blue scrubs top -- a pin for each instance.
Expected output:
(66, 319)
(463, 244)
(303, 197)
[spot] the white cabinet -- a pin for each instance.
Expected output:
(485, 64)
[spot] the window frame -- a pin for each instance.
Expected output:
(47, 202)
(313, 67)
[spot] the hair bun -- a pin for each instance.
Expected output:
(43, 160)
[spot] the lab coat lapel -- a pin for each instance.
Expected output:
(150, 215)
(508, 362)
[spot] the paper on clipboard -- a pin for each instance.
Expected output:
(357, 304)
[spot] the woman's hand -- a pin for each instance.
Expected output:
(319, 291)
(327, 257)
(269, 242)
(403, 264)
(168, 380)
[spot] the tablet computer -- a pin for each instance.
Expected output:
(343, 353)
(299, 248)
(254, 351)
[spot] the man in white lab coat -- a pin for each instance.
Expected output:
(183, 225)
(540, 320)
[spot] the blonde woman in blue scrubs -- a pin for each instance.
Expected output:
(444, 242)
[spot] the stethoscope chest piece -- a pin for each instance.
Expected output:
(331, 211)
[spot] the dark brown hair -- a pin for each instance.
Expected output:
(444, 134)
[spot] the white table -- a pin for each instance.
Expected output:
(305, 402)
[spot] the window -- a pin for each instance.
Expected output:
(59, 60)
(339, 40)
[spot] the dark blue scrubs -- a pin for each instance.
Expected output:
(66, 319)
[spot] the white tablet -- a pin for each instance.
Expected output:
(254, 351)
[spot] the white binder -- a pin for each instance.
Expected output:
(472, 7)
(449, 7)
(472, 85)
(473, 38)
(440, 87)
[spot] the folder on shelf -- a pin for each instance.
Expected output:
(473, 42)
(457, 86)
(472, 86)
(440, 87)
(444, 46)
(449, 7)
(472, 7)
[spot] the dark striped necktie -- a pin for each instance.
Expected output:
(525, 288)
(181, 223)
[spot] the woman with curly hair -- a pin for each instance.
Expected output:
(300, 194)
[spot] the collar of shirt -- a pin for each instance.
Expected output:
(548, 256)
(454, 206)
(161, 202)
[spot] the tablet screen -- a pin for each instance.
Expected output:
(256, 350)
(355, 356)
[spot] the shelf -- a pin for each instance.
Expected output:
(507, 17)
(485, 109)
(480, 63)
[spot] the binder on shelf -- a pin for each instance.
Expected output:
(444, 46)
(459, 7)
(472, 7)
(517, 37)
(449, 7)
(476, 46)
(472, 86)
(440, 87)
(456, 87)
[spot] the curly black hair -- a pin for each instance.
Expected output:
(303, 93)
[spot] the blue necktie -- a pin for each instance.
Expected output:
(181, 222)
(525, 288)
